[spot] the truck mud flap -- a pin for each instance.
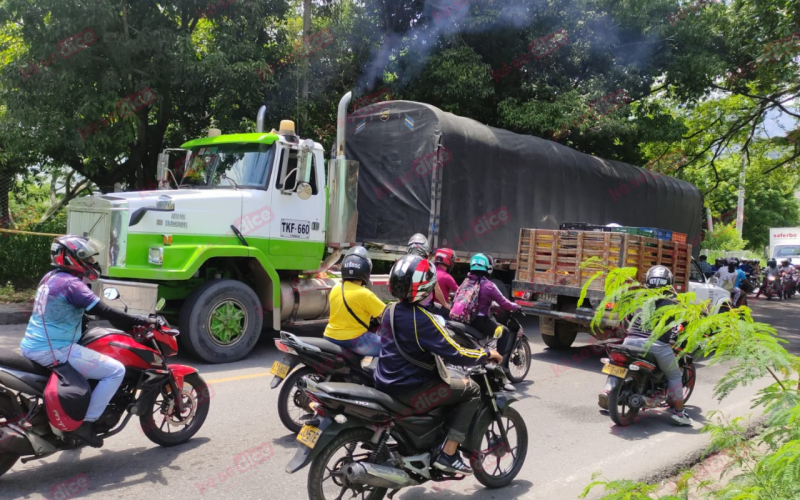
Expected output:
(547, 326)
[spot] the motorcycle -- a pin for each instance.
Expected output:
(635, 382)
(366, 442)
(148, 391)
(774, 287)
(517, 362)
(787, 285)
(323, 361)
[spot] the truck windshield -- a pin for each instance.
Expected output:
(787, 251)
(229, 165)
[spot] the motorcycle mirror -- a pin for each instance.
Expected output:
(111, 293)
(160, 304)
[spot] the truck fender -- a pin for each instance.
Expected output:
(268, 268)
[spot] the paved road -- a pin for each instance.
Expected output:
(570, 438)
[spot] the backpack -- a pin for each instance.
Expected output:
(465, 302)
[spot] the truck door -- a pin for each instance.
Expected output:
(298, 225)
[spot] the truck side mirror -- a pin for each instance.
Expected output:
(162, 169)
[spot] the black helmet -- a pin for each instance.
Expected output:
(658, 276)
(772, 263)
(418, 245)
(357, 265)
(412, 278)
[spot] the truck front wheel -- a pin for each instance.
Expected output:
(565, 334)
(220, 322)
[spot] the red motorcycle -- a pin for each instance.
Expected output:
(148, 391)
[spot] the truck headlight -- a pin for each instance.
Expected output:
(156, 256)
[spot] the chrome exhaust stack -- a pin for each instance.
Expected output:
(379, 476)
(343, 192)
(261, 118)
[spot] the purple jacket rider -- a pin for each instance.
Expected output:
(488, 294)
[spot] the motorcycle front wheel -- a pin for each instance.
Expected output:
(496, 465)
(159, 423)
(326, 478)
(519, 361)
(618, 409)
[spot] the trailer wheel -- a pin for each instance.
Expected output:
(565, 334)
(220, 321)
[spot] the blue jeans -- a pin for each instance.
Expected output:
(90, 364)
(368, 344)
(668, 364)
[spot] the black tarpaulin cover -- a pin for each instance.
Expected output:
(494, 182)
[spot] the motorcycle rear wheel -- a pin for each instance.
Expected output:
(292, 407)
(616, 410)
(491, 434)
(7, 461)
(198, 399)
(519, 361)
(319, 467)
(688, 378)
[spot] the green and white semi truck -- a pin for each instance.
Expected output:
(240, 245)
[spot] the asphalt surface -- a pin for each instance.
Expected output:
(569, 437)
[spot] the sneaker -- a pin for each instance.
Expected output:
(452, 464)
(87, 434)
(681, 418)
(508, 387)
(602, 400)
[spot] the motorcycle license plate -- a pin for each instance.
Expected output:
(279, 369)
(615, 371)
(309, 435)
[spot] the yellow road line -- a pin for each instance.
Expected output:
(240, 377)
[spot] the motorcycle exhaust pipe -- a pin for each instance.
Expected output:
(16, 440)
(379, 476)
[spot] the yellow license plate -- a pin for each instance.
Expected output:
(279, 369)
(309, 435)
(616, 371)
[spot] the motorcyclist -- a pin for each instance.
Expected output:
(55, 325)
(705, 267)
(445, 259)
(729, 277)
(788, 269)
(718, 264)
(480, 268)
(353, 305)
(746, 267)
(421, 335)
(418, 245)
(770, 270)
(639, 335)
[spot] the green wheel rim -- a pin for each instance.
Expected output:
(227, 322)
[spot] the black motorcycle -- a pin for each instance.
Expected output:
(363, 442)
(635, 382)
(517, 363)
(323, 361)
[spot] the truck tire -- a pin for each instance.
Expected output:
(220, 322)
(564, 337)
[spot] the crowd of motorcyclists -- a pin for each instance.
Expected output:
(746, 276)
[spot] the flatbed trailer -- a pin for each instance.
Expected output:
(549, 276)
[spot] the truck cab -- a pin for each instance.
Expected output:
(233, 239)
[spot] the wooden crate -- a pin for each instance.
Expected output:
(554, 257)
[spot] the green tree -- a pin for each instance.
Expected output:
(723, 237)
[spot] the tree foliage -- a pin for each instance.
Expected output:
(724, 237)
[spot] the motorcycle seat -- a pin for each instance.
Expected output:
(637, 352)
(14, 361)
(466, 329)
(97, 333)
(322, 344)
(355, 391)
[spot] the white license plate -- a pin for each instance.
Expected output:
(546, 297)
